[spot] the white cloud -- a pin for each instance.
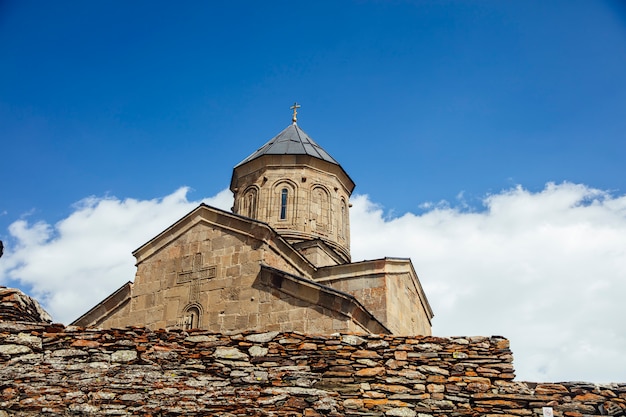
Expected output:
(545, 269)
(83, 258)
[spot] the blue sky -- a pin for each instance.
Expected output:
(418, 100)
(422, 102)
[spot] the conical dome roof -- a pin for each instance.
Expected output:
(291, 141)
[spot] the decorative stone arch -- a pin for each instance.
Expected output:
(284, 198)
(319, 209)
(250, 202)
(192, 316)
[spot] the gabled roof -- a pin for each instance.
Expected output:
(291, 141)
(105, 308)
(384, 265)
(229, 221)
(329, 298)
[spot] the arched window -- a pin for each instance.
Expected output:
(250, 203)
(320, 209)
(344, 219)
(283, 203)
(284, 194)
(324, 208)
(191, 318)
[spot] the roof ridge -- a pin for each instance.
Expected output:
(291, 141)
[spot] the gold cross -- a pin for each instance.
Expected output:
(295, 108)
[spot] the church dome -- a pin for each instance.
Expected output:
(291, 141)
(295, 186)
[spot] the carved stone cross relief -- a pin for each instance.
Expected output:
(194, 276)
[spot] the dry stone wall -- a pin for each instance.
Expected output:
(15, 305)
(49, 369)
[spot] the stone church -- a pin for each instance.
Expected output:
(280, 261)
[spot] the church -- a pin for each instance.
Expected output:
(279, 261)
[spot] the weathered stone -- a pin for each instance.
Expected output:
(229, 353)
(401, 412)
(368, 362)
(500, 403)
(439, 404)
(257, 351)
(550, 389)
(368, 372)
(200, 338)
(400, 355)
(502, 344)
(352, 340)
(27, 339)
(412, 374)
(589, 397)
(435, 388)
(262, 337)
(478, 387)
(103, 395)
(367, 354)
(124, 356)
(256, 377)
(430, 347)
(133, 397)
(391, 388)
(85, 343)
(99, 365)
(377, 344)
(353, 403)
(64, 353)
(84, 408)
(273, 399)
(296, 391)
(17, 306)
(428, 369)
(14, 349)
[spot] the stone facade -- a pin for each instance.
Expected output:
(51, 370)
(212, 270)
(279, 261)
(389, 288)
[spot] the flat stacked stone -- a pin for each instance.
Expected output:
(17, 306)
(54, 370)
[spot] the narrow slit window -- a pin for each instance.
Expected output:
(344, 220)
(283, 204)
(250, 203)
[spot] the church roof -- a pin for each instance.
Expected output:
(291, 141)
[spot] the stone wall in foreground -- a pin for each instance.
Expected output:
(15, 306)
(54, 370)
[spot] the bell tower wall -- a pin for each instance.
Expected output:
(303, 198)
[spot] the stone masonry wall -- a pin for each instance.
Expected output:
(15, 305)
(48, 369)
